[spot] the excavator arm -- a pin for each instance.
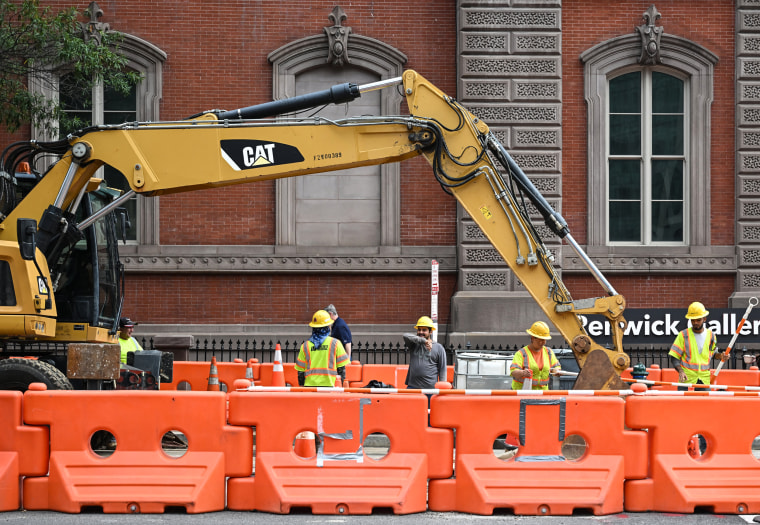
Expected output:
(216, 149)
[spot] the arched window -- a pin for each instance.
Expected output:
(353, 208)
(648, 144)
(105, 106)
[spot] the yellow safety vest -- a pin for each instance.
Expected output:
(321, 364)
(128, 345)
(694, 361)
(540, 377)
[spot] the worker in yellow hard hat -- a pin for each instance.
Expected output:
(694, 347)
(427, 359)
(322, 359)
(535, 360)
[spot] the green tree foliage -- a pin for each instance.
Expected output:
(37, 45)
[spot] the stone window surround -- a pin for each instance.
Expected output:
(683, 58)
(309, 53)
(147, 60)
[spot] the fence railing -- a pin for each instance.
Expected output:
(370, 353)
(390, 353)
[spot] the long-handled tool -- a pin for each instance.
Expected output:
(752, 304)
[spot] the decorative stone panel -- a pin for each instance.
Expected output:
(485, 42)
(511, 19)
(486, 280)
(536, 43)
(486, 90)
(537, 138)
(549, 90)
(550, 114)
(748, 208)
(498, 66)
(749, 186)
(749, 233)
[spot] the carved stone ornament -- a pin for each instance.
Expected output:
(337, 38)
(650, 37)
(93, 28)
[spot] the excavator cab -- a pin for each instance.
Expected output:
(87, 274)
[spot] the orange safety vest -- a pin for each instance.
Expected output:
(540, 377)
(320, 365)
(694, 361)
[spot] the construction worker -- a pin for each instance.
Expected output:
(322, 359)
(340, 329)
(535, 360)
(427, 359)
(126, 341)
(694, 347)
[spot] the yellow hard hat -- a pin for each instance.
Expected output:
(539, 329)
(426, 322)
(320, 318)
(696, 311)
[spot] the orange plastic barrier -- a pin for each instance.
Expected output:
(196, 374)
(341, 479)
(736, 377)
(539, 480)
(390, 375)
(726, 479)
(23, 450)
(139, 476)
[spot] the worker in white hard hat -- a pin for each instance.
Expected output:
(694, 347)
(427, 359)
(322, 359)
(535, 360)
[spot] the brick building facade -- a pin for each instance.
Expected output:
(247, 260)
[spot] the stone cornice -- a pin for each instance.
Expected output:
(269, 259)
(712, 259)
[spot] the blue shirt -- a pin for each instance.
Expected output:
(341, 332)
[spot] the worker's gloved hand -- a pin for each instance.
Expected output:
(723, 357)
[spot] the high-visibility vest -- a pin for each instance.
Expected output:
(320, 365)
(540, 377)
(128, 345)
(694, 361)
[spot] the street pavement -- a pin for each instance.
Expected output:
(432, 518)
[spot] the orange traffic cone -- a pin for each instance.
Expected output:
(213, 377)
(304, 446)
(278, 373)
(249, 371)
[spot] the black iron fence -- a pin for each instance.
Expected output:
(392, 353)
(366, 353)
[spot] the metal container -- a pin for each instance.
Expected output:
(482, 371)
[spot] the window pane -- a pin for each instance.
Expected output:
(667, 221)
(667, 93)
(625, 221)
(667, 179)
(625, 93)
(115, 101)
(625, 134)
(667, 134)
(625, 179)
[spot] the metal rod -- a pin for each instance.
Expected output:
(381, 84)
(66, 185)
(590, 265)
(105, 210)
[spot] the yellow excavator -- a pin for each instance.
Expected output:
(60, 275)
